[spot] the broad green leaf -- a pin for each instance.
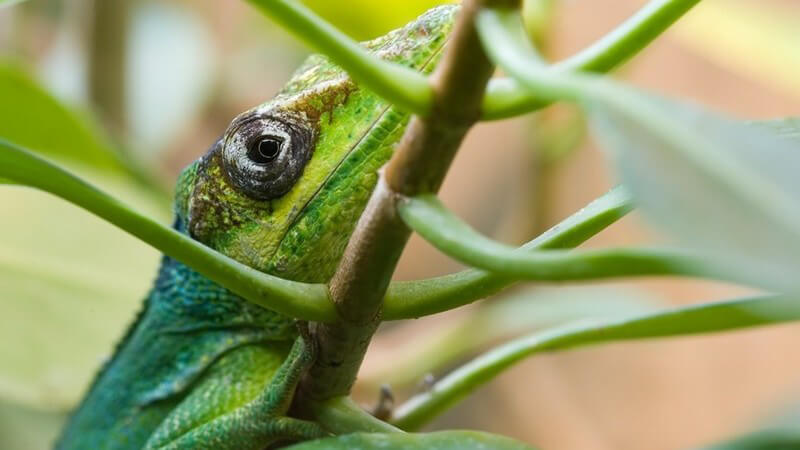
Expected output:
(32, 118)
(23, 428)
(440, 440)
(723, 187)
(9, 2)
(787, 128)
(718, 184)
(70, 283)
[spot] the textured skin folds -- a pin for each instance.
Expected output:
(203, 368)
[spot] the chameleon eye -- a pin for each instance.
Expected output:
(264, 156)
(265, 149)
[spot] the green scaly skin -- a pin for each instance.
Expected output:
(202, 368)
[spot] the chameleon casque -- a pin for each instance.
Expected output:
(280, 191)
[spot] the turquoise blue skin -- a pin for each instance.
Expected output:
(202, 367)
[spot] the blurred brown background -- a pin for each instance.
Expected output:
(512, 180)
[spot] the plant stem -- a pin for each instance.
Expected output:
(505, 97)
(418, 165)
(427, 216)
(403, 87)
(341, 415)
(705, 318)
(300, 300)
(107, 61)
(411, 299)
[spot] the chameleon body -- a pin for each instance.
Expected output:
(281, 191)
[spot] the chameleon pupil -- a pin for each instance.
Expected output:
(265, 150)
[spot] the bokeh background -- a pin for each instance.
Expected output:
(127, 93)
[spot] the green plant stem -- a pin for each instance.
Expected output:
(402, 86)
(410, 299)
(341, 415)
(705, 318)
(505, 97)
(299, 300)
(430, 219)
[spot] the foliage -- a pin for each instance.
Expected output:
(725, 190)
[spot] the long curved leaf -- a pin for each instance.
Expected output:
(410, 299)
(441, 440)
(300, 300)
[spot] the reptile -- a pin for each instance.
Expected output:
(280, 191)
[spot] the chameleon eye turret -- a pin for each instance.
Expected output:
(264, 155)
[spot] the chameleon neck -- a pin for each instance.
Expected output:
(187, 323)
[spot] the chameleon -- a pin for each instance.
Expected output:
(280, 191)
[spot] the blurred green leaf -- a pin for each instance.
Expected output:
(69, 285)
(769, 439)
(440, 440)
(23, 428)
(787, 128)
(780, 432)
(366, 19)
(721, 185)
(33, 118)
(9, 2)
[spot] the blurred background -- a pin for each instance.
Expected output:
(127, 93)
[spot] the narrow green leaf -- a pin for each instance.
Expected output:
(506, 97)
(428, 217)
(440, 440)
(704, 318)
(522, 312)
(300, 300)
(410, 299)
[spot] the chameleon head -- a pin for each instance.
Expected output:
(282, 190)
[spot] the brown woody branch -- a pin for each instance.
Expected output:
(418, 166)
